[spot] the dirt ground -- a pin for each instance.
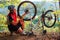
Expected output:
(48, 36)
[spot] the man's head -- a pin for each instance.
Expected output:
(11, 7)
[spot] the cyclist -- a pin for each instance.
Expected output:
(15, 23)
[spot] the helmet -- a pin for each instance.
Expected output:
(11, 7)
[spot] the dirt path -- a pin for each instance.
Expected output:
(48, 36)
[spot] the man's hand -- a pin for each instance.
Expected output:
(15, 23)
(26, 11)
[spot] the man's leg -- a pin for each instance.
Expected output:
(11, 33)
(21, 31)
(10, 29)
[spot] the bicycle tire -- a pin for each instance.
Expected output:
(34, 10)
(54, 19)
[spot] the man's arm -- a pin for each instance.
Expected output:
(24, 14)
(8, 22)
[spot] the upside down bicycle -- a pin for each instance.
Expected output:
(46, 17)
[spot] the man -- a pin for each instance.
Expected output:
(16, 24)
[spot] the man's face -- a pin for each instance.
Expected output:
(11, 10)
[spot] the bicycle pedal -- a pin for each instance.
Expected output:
(44, 32)
(31, 34)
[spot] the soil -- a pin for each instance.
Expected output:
(47, 36)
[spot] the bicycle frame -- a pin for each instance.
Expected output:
(33, 27)
(41, 17)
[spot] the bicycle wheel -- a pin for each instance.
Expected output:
(49, 18)
(27, 5)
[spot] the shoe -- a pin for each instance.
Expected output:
(23, 33)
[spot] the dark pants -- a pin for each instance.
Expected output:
(13, 28)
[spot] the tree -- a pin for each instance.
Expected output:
(59, 8)
(6, 3)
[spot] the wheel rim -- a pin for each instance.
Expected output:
(34, 7)
(49, 17)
